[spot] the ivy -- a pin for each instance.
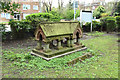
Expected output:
(7, 7)
(29, 61)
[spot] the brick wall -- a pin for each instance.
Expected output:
(22, 12)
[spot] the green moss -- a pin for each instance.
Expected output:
(60, 37)
(52, 53)
(55, 29)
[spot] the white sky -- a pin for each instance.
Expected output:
(55, 2)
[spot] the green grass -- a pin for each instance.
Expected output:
(96, 33)
(107, 64)
(29, 61)
(3, 22)
(103, 65)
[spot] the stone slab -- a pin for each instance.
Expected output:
(83, 48)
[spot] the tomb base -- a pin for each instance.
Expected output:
(57, 53)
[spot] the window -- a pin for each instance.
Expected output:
(100, 3)
(35, 7)
(24, 0)
(24, 15)
(104, 3)
(35, 0)
(25, 7)
(7, 16)
(3, 15)
(17, 16)
(28, 6)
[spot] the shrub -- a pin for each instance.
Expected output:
(20, 25)
(104, 14)
(42, 17)
(77, 13)
(69, 14)
(86, 27)
(2, 30)
(96, 26)
(98, 11)
(19, 28)
(103, 22)
(39, 17)
(118, 22)
(55, 16)
(111, 25)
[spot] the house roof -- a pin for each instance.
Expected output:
(58, 28)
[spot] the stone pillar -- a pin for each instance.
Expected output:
(68, 42)
(46, 47)
(72, 42)
(39, 45)
(79, 41)
(59, 44)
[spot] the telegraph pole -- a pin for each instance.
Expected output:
(74, 10)
(40, 6)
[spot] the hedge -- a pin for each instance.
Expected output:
(118, 22)
(36, 18)
(86, 27)
(2, 30)
(39, 17)
(96, 26)
(56, 16)
(105, 23)
(111, 25)
(19, 28)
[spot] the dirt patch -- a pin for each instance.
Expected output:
(19, 44)
(30, 43)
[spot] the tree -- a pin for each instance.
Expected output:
(98, 11)
(60, 4)
(69, 14)
(70, 5)
(77, 13)
(45, 5)
(48, 5)
(60, 7)
(7, 7)
(116, 9)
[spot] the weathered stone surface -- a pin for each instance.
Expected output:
(66, 34)
(58, 30)
(57, 53)
(81, 58)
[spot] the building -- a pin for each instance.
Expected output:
(91, 6)
(97, 3)
(27, 7)
(111, 6)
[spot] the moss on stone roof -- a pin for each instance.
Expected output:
(58, 28)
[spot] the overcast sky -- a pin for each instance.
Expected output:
(55, 2)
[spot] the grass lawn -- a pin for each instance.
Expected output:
(4, 22)
(103, 65)
(96, 33)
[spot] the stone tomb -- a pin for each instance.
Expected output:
(55, 39)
